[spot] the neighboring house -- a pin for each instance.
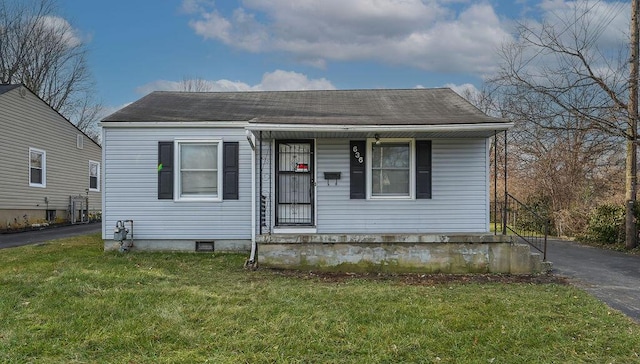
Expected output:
(318, 178)
(46, 164)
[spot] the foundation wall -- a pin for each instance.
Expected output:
(397, 253)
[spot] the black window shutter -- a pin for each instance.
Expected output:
(165, 170)
(230, 170)
(423, 168)
(357, 173)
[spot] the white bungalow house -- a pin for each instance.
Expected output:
(352, 179)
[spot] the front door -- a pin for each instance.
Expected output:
(294, 183)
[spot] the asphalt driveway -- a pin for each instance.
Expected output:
(611, 276)
(39, 236)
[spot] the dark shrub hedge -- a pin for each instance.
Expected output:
(605, 225)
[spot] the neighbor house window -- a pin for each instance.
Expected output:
(94, 176)
(391, 168)
(37, 168)
(198, 166)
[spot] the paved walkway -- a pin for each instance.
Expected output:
(39, 236)
(613, 277)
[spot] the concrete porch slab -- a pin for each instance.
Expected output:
(382, 238)
(426, 253)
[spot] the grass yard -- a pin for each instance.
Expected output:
(69, 302)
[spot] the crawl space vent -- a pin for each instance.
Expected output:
(205, 246)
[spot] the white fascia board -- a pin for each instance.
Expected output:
(308, 127)
(174, 124)
(382, 128)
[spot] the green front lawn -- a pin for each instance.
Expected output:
(69, 302)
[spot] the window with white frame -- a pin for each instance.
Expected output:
(94, 176)
(37, 168)
(391, 168)
(198, 166)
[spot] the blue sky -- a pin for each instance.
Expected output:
(138, 46)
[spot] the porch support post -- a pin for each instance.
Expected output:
(260, 183)
(504, 208)
(254, 218)
(495, 182)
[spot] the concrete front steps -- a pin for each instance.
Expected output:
(400, 253)
(538, 265)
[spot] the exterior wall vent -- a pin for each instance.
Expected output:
(79, 141)
(205, 246)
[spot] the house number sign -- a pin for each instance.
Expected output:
(357, 155)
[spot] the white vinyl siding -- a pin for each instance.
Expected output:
(459, 203)
(131, 183)
(459, 200)
(37, 168)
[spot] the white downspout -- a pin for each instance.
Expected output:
(254, 246)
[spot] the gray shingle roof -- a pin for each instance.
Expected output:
(6, 87)
(437, 106)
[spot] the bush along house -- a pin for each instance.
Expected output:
(357, 180)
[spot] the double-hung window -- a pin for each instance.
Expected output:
(37, 168)
(94, 176)
(198, 176)
(391, 168)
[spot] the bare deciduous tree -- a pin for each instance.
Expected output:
(567, 90)
(42, 51)
(87, 112)
(195, 84)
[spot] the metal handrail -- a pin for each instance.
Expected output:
(529, 209)
(537, 238)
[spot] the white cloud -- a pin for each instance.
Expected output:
(424, 34)
(596, 29)
(464, 90)
(433, 35)
(610, 19)
(285, 80)
(218, 85)
(277, 80)
(213, 26)
(195, 6)
(61, 28)
(108, 110)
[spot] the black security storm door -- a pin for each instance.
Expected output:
(294, 183)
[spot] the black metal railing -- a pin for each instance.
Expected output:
(523, 221)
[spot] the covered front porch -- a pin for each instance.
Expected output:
(393, 181)
(399, 253)
(381, 180)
